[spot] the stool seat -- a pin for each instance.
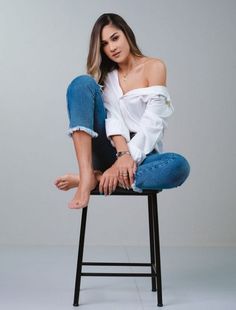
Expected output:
(155, 261)
(123, 191)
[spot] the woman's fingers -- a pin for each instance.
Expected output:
(126, 174)
(108, 184)
(115, 181)
(101, 183)
(131, 176)
(120, 180)
(126, 179)
(111, 185)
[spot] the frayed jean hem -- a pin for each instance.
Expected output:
(136, 189)
(92, 133)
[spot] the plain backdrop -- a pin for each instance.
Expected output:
(43, 46)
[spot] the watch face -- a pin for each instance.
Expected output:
(118, 154)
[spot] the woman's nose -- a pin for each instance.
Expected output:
(112, 47)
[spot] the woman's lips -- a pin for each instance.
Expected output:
(116, 55)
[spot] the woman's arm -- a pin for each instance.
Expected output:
(117, 133)
(119, 143)
(154, 119)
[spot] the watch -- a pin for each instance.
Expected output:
(119, 154)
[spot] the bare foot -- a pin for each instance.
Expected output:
(71, 180)
(86, 184)
(67, 181)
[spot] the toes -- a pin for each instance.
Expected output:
(58, 180)
(62, 186)
(58, 185)
(76, 205)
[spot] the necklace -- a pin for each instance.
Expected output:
(136, 64)
(124, 76)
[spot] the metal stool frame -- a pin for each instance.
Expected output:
(155, 261)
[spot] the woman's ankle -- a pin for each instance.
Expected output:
(86, 171)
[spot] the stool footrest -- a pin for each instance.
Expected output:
(119, 274)
(122, 274)
(116, 264)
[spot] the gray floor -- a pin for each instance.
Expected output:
(43, 278)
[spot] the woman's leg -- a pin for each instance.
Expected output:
(88, 181)
(161, 171)
(87, 121)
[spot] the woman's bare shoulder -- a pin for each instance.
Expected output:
(153, 64)
(155, 71)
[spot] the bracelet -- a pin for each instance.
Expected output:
(119, 154)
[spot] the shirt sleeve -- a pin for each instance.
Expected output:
(151, 127)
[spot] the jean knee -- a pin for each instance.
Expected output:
(80, 82)
(183, 168)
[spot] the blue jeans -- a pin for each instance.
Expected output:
(86, 112)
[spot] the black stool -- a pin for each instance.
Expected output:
(155, 263)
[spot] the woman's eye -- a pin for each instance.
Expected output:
(103, 44)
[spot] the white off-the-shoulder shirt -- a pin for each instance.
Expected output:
(142, 110)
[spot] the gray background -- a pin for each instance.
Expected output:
(44, 45)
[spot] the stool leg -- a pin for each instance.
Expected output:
(151, 236)
(80, 257)
(157, 250)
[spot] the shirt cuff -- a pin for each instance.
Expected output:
(114, 127)
(137, 155)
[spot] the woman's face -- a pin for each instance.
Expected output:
(114, 43)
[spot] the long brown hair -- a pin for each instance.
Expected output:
(98, 64)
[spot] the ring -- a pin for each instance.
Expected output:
(124, 174)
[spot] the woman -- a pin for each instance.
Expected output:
(118, 114)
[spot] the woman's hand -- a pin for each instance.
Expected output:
(109, 180)
(126, 167)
